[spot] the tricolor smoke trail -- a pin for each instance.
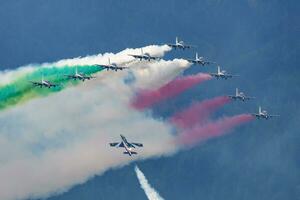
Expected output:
(198, 112)
(201, 133)
(150, 192)
(21, 90)
(147, 98)
(48, 145)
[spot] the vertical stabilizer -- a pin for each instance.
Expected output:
(259, 109)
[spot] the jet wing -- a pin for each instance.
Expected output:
(248, 98)
(104, 66)
(69, 76)
(155, 58)
(117, 144)
(122, 68)
(136, 56)
(232, 96)
(137, 144)
(214, 74)
(273, 116)
(192, 61)
(36, 83)
(172, 45)
(188, 46)
(230, 75)
(255, 115)
(208, 62)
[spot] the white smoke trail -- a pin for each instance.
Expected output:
(50, 144)
(150, 192)
(7, 76)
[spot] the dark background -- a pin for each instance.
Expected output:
(259, 40)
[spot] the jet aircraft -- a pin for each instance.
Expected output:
(263, 114)
(144, 56)
(79, 76)
(43, 83)
(222, 74)
(200, 61)
(180, 45)
(111, 66)
(128, 146)
(240, 96)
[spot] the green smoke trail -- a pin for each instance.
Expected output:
(21, 90)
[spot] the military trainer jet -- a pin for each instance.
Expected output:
(43, 83)
(240, 96)
(79, 76)
(128, 146)
(111, 66)
(180, 45)
(199, 60)
(263, 114)
(222, 74)
(144, 56)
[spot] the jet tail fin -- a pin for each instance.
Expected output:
(236, 91)
(259, 109)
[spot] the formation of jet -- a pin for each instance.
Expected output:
(180, 45)
(79, 76)
(262, 114)
(144, 56)
(240, 96)
(222, 74)
(199, 61)
(128, 146)
(111, 66)
(43, 83)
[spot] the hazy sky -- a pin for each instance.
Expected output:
(259, 40)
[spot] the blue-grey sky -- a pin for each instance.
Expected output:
(259, 40)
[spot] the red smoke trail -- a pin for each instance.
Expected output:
(198, 112)
(147, 98)
(212, 129)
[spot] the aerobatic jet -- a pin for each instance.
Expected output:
(128, 146)
(144, 56)
(180, 45)
(240, 96)
(263, 114)
(222, 74)
(111, 66)
(79, 76)
(43, 83)
(199, 61)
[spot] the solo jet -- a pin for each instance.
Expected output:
(222, 74)
(199, 60)
(180, 45)
(240, 96)
(263, 114)
(112, 66)
(79, 76)
(43, 83)
(144, 56)
(128, 146)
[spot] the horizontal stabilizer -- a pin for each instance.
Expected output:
(132, 152)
